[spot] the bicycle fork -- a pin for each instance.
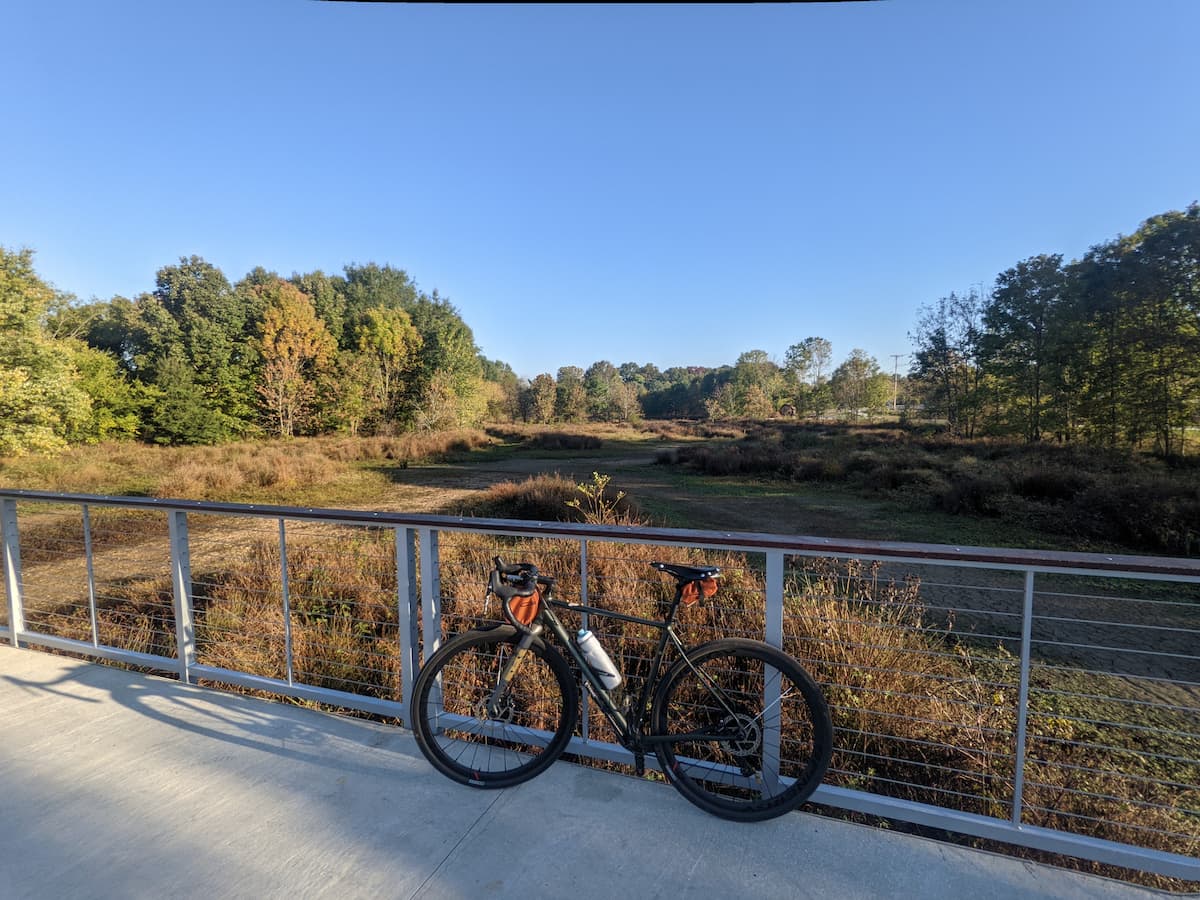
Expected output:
(508, 671)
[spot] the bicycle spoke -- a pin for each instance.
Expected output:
(480, 731)
(748, 743)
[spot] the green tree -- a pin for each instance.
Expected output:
(758, 385)
(328, 296)
(440, 408)
(624, 405)
(353, 392)
(571, 400)
(41, 402)
(178, 413)
(598, 381)
(859, 386)
(373, 286)
(447, 349)
(1017, 345)
(809, 360)
(117, 402)
(946, 361)
(722, 403)
(389, 339)
(1160, 265)
(195, 310)
(806, 368)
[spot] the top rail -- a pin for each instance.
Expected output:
(1117, 565)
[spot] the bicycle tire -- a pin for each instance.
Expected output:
(455, 732)
(750, 775)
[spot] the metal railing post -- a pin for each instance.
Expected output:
(408, 606)
(12, 570)
(773, 627)
(91, 575)
(181, 589)
(286, 595)
(772, 686)
(1023, 703)
(431, 592)
(585, 708)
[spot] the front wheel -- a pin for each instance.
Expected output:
(747, 731)
(485, 737)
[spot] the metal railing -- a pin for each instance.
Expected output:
(1043, 699)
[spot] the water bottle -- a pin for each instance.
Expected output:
(598, 659)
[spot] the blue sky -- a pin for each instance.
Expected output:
(665, 184)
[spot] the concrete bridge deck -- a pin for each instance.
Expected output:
(115, 784)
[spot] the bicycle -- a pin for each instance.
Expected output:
(738, 727)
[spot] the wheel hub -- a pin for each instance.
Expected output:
(502, 713)
(745, 735)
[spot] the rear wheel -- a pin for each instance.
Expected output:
(486, 740)
(752, 734)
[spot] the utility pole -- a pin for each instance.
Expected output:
(896, 380)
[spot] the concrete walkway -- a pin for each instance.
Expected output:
(121, 785)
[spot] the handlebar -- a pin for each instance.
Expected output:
(508, 582)
(519, 580)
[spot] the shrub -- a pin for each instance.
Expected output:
(974, 494)
(561, 440)
(1143, 513)
(541, 498)
(1050, 483)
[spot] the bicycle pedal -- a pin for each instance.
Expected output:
(639, 763)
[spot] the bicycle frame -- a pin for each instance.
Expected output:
(629, 727)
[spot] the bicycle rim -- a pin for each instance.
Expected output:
(763, 734)
(483, 739)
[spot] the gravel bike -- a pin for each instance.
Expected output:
(738, 727)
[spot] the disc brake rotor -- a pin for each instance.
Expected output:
(503, 713)
(746, 735)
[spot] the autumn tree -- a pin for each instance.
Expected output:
(296, 350)
(503, 391)
(538, 399)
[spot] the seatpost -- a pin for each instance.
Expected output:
(675, 603)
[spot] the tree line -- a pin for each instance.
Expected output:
(201, 360)
(1105, 350)
(806, 384)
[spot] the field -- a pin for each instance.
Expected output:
(872, 483)
(919, 666)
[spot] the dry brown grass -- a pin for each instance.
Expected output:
(554, 498)
(404, 448)
(249, 470)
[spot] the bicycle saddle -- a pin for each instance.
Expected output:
(688, 573)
